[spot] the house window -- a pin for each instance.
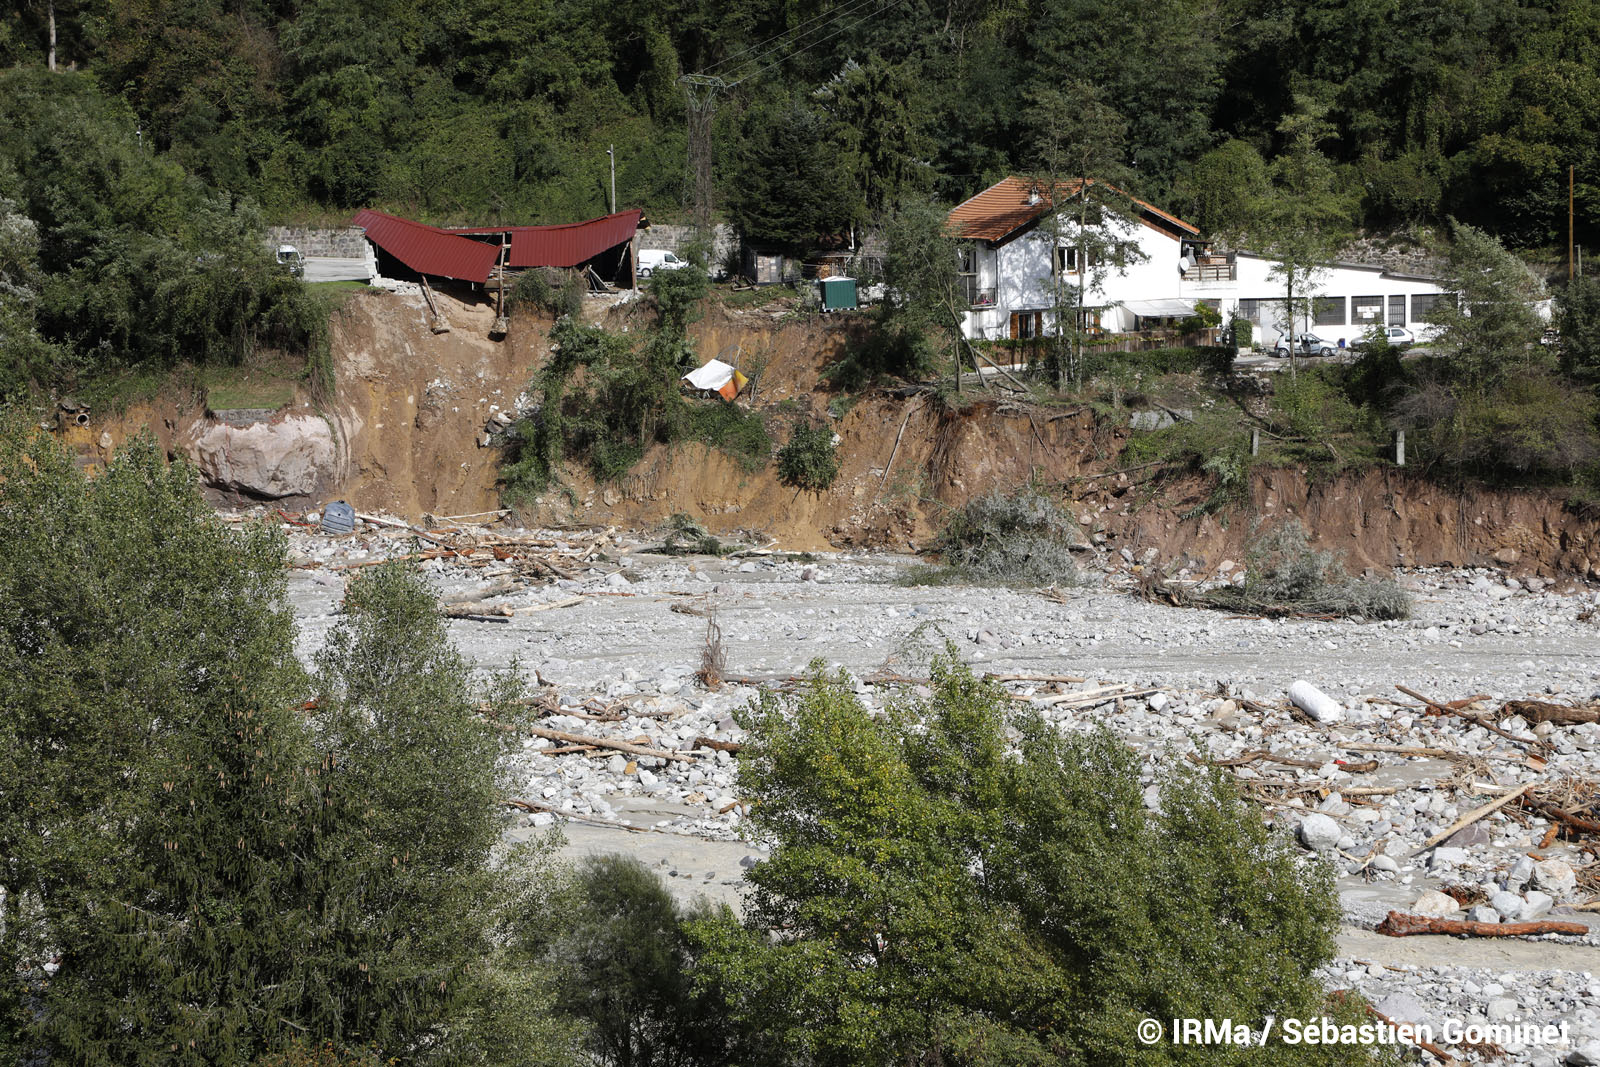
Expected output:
(967, 277)
(1066, 260)
(1397, 311)
(1330, 311)
(1422, 305)
(1259, 309)
(1366, 311)
(1089, 320)
(1027, 325)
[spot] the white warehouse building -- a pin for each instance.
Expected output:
(1007, 261)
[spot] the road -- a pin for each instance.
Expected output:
(333, 269)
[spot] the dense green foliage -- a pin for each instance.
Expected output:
(196, 866)
(955, 883)
(112, 256)
(809, 461)
(628, 962)
(505, 108)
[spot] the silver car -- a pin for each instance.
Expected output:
(1307, 344)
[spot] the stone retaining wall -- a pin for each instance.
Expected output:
(343, 243)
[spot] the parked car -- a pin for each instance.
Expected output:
(653, 259)
(290, 259)
(1307, 344)
(1397, 336)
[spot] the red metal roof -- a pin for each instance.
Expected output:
(1005, 208)
(428, 249)
(565, 245)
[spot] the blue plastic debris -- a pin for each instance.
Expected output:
(338, 518)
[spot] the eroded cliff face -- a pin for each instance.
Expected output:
(406, 433)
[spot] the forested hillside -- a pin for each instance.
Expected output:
(452, 109)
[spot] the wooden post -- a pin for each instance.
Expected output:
(1399, 448)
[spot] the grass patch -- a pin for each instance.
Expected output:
(739, 432)
(343, 285)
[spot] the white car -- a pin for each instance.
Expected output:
(1397, 336)
(1307, 344)
(654, 259)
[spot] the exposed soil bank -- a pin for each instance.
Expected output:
(411, 409)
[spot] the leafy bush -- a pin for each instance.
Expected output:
(809, 461)
(954, 881)
(556, 296)
(1531, 424)
(1285, 576)
(1021, 538)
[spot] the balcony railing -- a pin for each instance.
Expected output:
(1212, 271)
(982, 298)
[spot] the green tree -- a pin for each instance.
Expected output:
(1302, 220)
(920, 322)
(1080, 140)
(1221, 190)
(628, 970)
(1487, 326)
(192, 870)
(940, 893)
(1578, 318)
(792, 181)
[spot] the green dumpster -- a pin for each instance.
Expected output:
(838, 294)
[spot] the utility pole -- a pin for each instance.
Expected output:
(612, 152)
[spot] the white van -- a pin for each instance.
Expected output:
(651, 260)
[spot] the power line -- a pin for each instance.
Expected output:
(821, 40)
(829, 15)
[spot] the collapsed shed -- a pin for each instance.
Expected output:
(599, 249)
(414, 251)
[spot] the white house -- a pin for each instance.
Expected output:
(1006, 262)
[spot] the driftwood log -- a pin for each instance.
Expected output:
(1537, 711)
(1399, 924)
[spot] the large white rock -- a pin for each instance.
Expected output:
(1435, 905)
(1319, 833)
(297, 455)
(1555, 877)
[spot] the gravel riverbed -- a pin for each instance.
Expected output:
(1366, 786)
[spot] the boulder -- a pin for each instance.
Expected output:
(1555, 877)
(297, 455)
(1435, 905)
(1319, 833)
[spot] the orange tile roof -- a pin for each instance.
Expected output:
(1003, 209)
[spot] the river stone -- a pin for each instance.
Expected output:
(1555, 877)
(1435, 905)
(293, 456)
(1319, 833)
